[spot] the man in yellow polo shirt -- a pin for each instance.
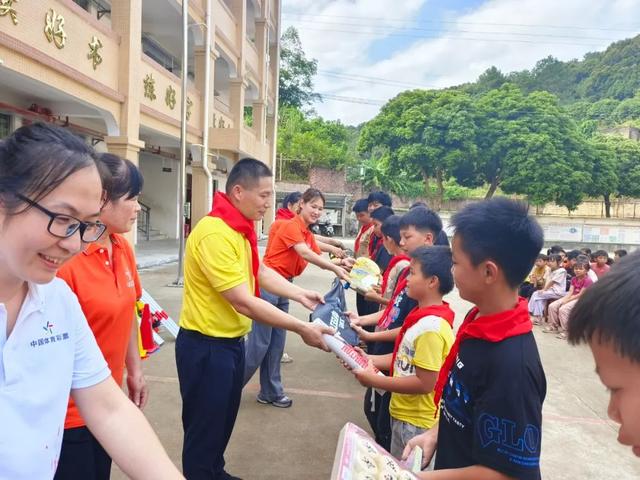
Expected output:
(222, 274)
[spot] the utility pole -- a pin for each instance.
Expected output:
(183, 143)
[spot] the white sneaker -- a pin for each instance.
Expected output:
(286, 358)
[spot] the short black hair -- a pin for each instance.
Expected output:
(381, 197)
(583, 261)
(422, 219)
(419, 203)
(500, 229)
(600, 253)
(621, 252)
(609, 310)
(391, 228)
(247, 173)
(555, 249)
(289, 198)
(586, 250)
(554, 257)
(436, 261)
(360, 205)
(382, 213)
(542, 256)
(573, 254)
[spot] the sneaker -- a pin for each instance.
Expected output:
(282, 402)
(550, 329)
(562, 336)
(286, 358)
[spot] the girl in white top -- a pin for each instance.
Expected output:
(50, 198)
(555, 288)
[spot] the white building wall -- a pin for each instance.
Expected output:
(161, 192)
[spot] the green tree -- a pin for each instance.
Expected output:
(616, 168)
(295, 87)
(424, 132)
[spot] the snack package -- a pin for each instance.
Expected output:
(364, 274)
(345, 352)
(358, 457)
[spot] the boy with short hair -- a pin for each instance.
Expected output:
(600, 264)
(377, 252)
(492, 384)
(420, 349)
(538, 277)
(390, 230)
(606, 318)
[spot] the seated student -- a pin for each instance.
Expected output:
(556, 249)
(390, 229)
(538, 277)
(420, 349)
(560, 309)
(600, 265)
(618, 254)
(418, 227)
(555, 288)
(492, 384)
(606, 318)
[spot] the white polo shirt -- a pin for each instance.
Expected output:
(50, 351)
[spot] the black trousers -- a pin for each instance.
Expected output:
(376, 409)
(210, 372)
(365, 307)
(82, 457)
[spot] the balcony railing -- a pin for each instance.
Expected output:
(144, 221)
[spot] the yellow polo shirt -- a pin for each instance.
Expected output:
(217, 258)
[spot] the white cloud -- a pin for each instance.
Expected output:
(447, 60)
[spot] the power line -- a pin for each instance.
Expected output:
(629, 28)
(492, 32)
(373, 80)
(471, 39)
(364, 101)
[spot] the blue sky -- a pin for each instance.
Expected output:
(428, 17)
(368, 51)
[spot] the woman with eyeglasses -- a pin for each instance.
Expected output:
(106, 282)
(51, 194)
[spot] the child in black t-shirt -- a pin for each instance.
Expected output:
(492, 384)
(607, 317)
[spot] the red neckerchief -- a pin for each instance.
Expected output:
(392, 263)
(363, 229)
(385, 319)
(443, 311)
(284, 214)
(375, 244)
(492, 328)
(224, 209)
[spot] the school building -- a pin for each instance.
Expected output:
(110, 70)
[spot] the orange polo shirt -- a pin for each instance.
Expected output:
(280, 254)
(107, 292)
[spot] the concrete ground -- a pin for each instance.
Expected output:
(579, 442)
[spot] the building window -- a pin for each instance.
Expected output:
(5, 125)
(83, 3)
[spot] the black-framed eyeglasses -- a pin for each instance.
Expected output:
(64, 226)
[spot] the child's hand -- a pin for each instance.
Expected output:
(354, 319)
(362, 333)
(371, 295)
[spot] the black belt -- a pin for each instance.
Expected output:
(202, 336)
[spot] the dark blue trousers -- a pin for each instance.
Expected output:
(210, 371)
